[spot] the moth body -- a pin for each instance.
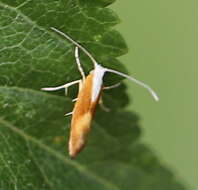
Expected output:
(84, 110)
(89, 95)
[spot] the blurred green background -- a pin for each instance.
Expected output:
(162, 40)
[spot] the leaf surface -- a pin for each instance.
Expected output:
(33, 130)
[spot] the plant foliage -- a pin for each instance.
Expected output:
(33, 131)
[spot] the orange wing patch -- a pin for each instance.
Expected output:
(83, 114)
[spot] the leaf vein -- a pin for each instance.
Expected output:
(56, 154)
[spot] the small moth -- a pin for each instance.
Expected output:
(89, 96)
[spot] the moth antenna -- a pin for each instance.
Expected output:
(152, 92)
(76, 44)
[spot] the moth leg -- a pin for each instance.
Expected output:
(62, 86)
(78, 63)
(75, 99)
(80, 87)
(103, 107)
(112, 86)
(67, 114)
(66, 91)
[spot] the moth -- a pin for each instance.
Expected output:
(89, 96)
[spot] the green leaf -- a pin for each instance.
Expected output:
(34, 132)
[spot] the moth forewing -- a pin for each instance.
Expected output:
(83, 114)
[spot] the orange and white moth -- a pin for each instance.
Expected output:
(89, 95)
